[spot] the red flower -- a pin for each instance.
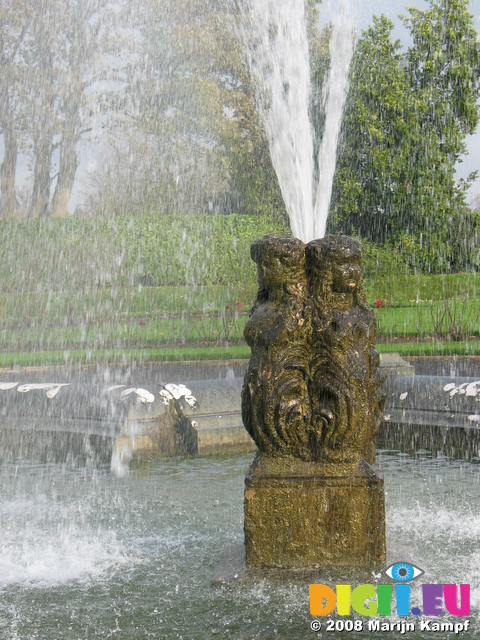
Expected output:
(379, 304)
(227, 306)
(142, 323)
(240, 304)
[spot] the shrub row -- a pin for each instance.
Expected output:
(50, 254)
(83, 253)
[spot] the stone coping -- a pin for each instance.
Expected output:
(203, 417)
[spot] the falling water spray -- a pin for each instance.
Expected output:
(277, 52)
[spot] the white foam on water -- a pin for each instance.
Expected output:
(49, 536)
(442, 541)
(434, 524)
(46, 541)
(80, 556)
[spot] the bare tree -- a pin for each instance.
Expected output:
(14, 20)
(53, 57)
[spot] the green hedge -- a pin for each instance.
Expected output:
(86, 253)
(79, 253)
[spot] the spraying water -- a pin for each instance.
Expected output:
(277, 53)
(335, 93)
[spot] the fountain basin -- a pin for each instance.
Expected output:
(60, 421)
(86, 421)
(88, 554)
(433, 413)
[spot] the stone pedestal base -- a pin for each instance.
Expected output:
(303, 515)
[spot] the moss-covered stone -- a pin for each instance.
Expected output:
(312, 401)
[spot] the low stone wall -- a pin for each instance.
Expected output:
(62, 421)
(58, 421)
(214, 423)
(432, 413)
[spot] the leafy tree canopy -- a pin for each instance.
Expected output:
(404, 131)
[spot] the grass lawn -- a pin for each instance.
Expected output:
(416, 315)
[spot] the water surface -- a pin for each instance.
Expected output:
(87, 554)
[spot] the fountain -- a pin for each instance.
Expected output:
(276, 44)
(312, 401)
(87, 553)
(312, 397)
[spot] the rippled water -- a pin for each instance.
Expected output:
(87, 554)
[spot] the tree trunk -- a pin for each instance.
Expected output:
(68, 149)
(8, 202)
(66, 176)
(40, 203)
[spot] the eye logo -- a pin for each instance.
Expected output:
(377, 599)
(403, 572)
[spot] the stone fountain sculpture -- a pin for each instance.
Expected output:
(312, 401)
